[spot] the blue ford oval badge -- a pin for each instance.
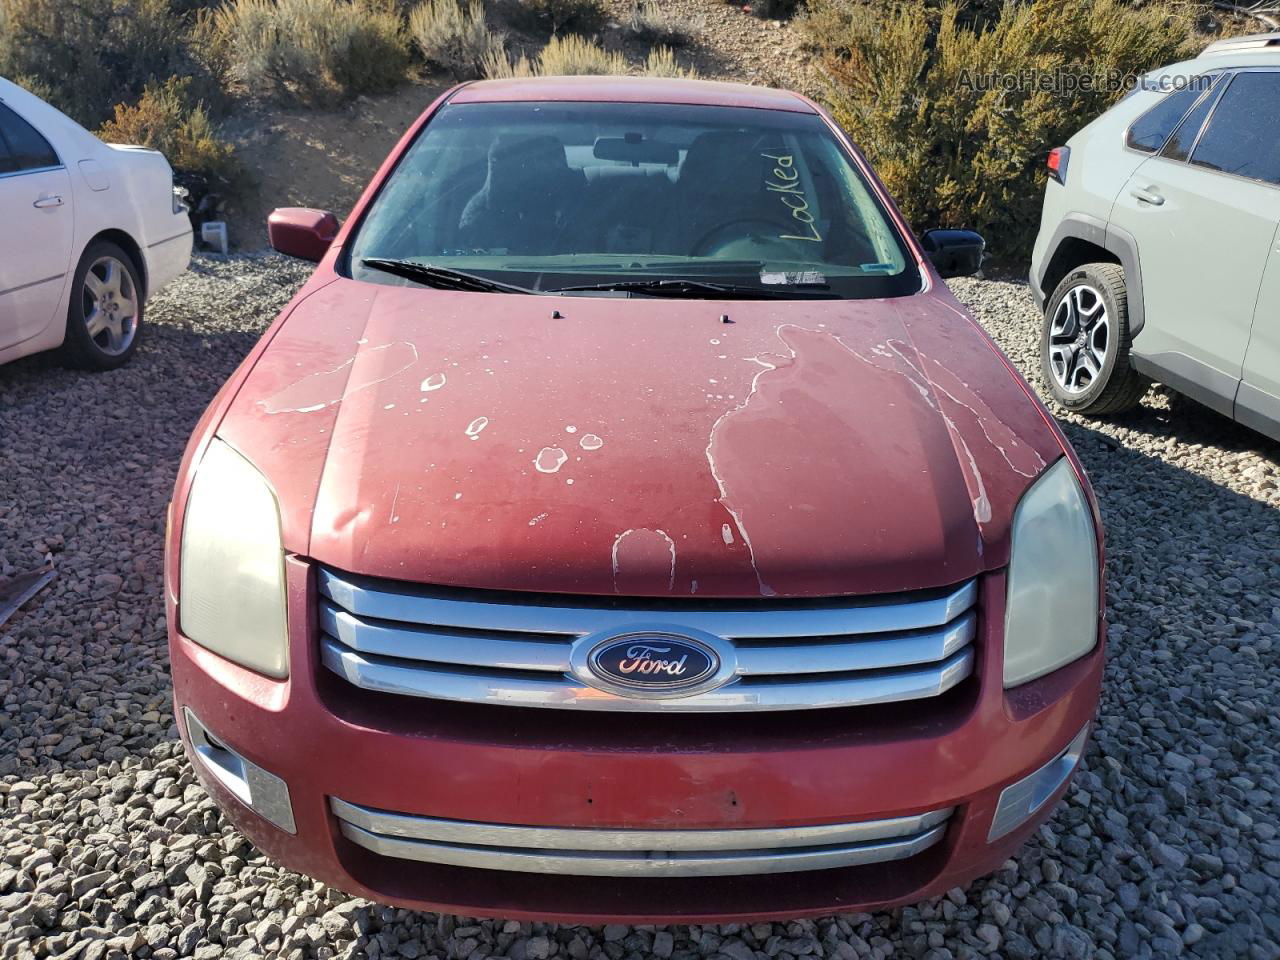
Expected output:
(653, 663)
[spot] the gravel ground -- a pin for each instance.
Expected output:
(1167, 843)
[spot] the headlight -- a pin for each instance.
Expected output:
(231, 592)
(1051, 617)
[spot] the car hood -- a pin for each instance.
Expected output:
(645, 447)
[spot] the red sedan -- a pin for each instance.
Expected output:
(625, 523)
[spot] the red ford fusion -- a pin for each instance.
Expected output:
(624, 522)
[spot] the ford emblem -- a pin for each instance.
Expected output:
(653, 663)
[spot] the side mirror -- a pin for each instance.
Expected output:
(954, 253)
(302, 232)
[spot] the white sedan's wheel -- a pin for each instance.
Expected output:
(104, 317)
(110, 304)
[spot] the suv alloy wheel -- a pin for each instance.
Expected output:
(1084, 342)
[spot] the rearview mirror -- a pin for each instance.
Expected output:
(302, 232)
(954, 253)
(632, 149)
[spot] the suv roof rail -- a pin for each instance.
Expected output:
(1253, 42)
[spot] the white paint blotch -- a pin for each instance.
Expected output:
(570, 429)
(671, 546)
(726, 533)
(765, 367)
(433, 382)
(590, 441)
(475, 426)
(550, 459)
(538, 519)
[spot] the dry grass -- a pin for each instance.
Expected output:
(576, 56)
(662, 63)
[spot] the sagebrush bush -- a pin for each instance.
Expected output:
(575, 56)
(315, 50)
(555, 16)
(651, 22)
(453, 37)
(908, 85)
(662, 63)
(83, 56)
(168, 119)
(566, 56)
(498, 65)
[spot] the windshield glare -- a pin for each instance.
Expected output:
(552, 195)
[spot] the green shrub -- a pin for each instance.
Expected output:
(662, 63)
(907, 84)
(85, 55)
(651, 22)
(555, 16)
(454, 38)
(168, 119)
(315, 50)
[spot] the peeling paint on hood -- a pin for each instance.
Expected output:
(638, 445)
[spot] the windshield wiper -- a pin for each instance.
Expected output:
(444, 278)
(690, 288)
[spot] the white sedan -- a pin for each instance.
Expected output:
(87, 231)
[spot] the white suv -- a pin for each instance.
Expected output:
(1158, 256)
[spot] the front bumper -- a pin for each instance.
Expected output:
(431, 761)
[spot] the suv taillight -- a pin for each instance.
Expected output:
(1057, 163)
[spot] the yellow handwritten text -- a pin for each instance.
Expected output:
(785, 182)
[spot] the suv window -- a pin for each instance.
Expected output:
(1179, 145)
(1243, 137)
(1149, 132)
(27, 150)
(6, 159)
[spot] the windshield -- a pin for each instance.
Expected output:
(546, 196)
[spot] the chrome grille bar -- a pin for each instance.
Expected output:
(530, 689)
(382, 600)
(638, 853)
(515, 649)
(550, 653)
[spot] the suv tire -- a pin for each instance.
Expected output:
(1084, 343)
(104, 316)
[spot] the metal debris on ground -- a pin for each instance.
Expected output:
(21, 587)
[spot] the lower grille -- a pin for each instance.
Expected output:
(638, 853)
(517, 649)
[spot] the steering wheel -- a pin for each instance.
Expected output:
(747, 228)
